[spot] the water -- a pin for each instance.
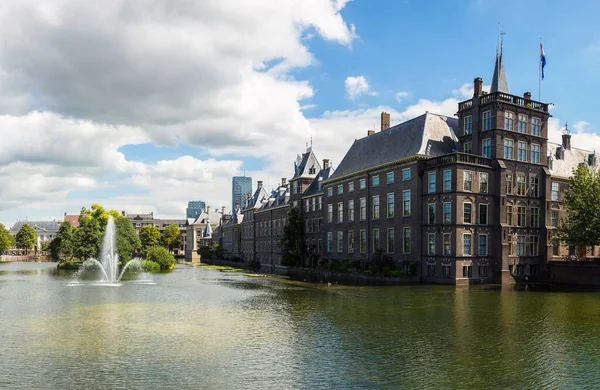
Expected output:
(197, 328)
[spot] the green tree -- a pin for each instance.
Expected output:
(170, 237)
(149, 236)
(26, 238)
(6, 239)
(127, 239)
(290, 243)
(88, 237)
(161, 256)
(582, 226)
(62, 247)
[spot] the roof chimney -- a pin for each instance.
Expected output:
(283, 181)
(477, 86)
(222, 209)
(566, 138)
(385, 120)
(259, 184)
(123, 212)
(208, 210)
(527, 95)
(370, 132)
(325, 163)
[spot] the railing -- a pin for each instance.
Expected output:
(458, 158)
(507, 98)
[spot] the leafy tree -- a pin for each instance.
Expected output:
(127, 239)
(6, 239)
(26, 238)
(161, 256)
(582, 225)
(170, 237)
(291, 238)
(88, 237)
(45, 247)
(149, 236)
(63, 246)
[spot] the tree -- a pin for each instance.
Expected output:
(88, 237)
(26, 238)
(6, 239)
(582, 226)
(149, 237)
(62, 247)
(290, 243)
(127, 239)
(170, 236)
(161, 256)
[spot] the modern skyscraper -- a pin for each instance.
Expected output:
(194, 208)
(240, 187)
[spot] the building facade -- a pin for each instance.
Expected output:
(241, 189)
(194, 208)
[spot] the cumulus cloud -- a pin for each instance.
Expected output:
(400, 96)
(356, 86)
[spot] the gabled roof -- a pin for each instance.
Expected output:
(428, 135)
(256, 200)
(307, 166)
(316, 187)
(207, 230)
(48, 226)
(499, 83)
(72, 219)
(279, 197)
(564, 167)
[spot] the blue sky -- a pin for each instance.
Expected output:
(145, 110)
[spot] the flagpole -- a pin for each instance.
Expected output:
(540, 74)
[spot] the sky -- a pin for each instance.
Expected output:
(143, 105)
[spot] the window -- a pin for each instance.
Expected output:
(390, 177)
(467, 244)
(351, 186)
(483, 182)
(390, 240)
(306, 205)
(320, 203)
(329, 241)
(406, 202)
(483, 245)
(375, 181)
(483, 214)
(447, 180)
(520, 184)
(467, 212)
(532, 246)
(509, 184)
(467, 271)
(406, 174)
(430, 269)
(467, 180)
(312, 204)
(406, 240)
(509, 120)
(522, 151)
(390, 205)
(376, 207)
(431, 244)
(522, 124)
(320, 247)
(329, 213)
(340, 189)
(468, 124)
(520, 216)
(350, 241)
(535, 127)
(555, 248)
(535, 153)
(431, 181)
(362, 184)
(340, 212)
(447, 244)
(340, 241)
(508, 148)
(363, 241)
(329, 191)
(376, 244)
(487, 120)
(509, 215)
(431, 213)
(483, 271)
(511, 251)
(351, 211)
(534, 216)
(447, 212)
(486, 147)
(446, 270)
(554, 218)
(468, 148)
(554, 193)
(363, 209)
(534, 186)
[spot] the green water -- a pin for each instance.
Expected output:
(197, 328)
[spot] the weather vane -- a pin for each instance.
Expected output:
(566, 129)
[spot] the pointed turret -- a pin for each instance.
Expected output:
(499, 83)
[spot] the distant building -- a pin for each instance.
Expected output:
(241, 189)
(44, 230)
(161, 224)
(139, 220)
(73, 219)
(194, 208)
(199, 231)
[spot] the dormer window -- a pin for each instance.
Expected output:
(312, 170)
(550, 162)
(560, 153)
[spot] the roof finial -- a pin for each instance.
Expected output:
(566, 129)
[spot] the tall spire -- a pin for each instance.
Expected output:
(499, 83)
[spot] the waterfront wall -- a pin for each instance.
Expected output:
(583, 273)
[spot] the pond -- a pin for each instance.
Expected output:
(198, 328)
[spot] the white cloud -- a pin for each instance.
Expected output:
(356, 86)
(400, 96)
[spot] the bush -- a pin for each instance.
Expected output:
(75, 264)
(254, 265)
(398, 273)
(149, 266)
(161, 256)
(290, 259)
(205, 252)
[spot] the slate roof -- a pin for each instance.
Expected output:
(163, 223)
(307, 166)
(316, 187)
(499, 83)
(256, 200)
(572, 158)
(427, 135)
(49, 226)
(279, 197)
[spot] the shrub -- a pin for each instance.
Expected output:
(150, 266)
(254, 265)
(205, 252)
(161, 256)
(290, 259)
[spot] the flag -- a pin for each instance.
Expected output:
(542, 59)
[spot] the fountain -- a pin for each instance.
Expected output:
(109, 262)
